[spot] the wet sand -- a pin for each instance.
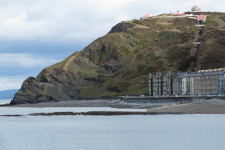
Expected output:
(213, 106)
(74, 103)
(83, 103)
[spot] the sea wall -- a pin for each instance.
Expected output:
(161, 100)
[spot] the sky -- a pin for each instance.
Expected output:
(35, 34)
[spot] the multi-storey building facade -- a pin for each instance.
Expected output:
(160, 83)
(183, 83)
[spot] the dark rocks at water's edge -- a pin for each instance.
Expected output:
(94, 113)
(33, 91)
(11, 115)
(99, 113)
(4, 105)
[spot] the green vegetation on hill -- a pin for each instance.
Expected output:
(119, 62)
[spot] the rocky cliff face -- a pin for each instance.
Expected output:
(119, 62)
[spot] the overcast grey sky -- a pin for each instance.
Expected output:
(37, 33)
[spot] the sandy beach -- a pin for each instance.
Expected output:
(212, 106)
(74, 103)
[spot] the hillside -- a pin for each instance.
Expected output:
(118, 63)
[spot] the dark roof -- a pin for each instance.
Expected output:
(179, 74)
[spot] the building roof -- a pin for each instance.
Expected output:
(178, 74)
(147, 15)
(202, 17)
(212, 70)
(179, 14)
(196, 8)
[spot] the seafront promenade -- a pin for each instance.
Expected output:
(167, 100)
(160, 99)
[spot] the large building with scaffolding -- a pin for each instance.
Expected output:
(202, 82)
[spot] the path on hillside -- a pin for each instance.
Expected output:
(197, 43)
(68, 62)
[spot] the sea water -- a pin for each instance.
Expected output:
(29, 110)
(5, 101)
(128, 132)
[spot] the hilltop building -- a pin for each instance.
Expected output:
(147, 16)
(196, 9)
(203, 82)
(201, 19)
(180, 14)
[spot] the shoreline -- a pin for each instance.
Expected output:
(90, 113)
(212, 106)
(82, 103)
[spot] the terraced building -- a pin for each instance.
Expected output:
(201, 82)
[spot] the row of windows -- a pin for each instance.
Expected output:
(198, 87)
(195, 82)
(206, 87)
(197, 91)
(201, 82)
(191, 78)
(206, 82)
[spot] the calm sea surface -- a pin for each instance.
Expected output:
(5, 101)
(138, 132)
(28, 110)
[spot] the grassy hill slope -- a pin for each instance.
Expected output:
(118, 63)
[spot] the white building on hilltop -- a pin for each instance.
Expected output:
(196, 9)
